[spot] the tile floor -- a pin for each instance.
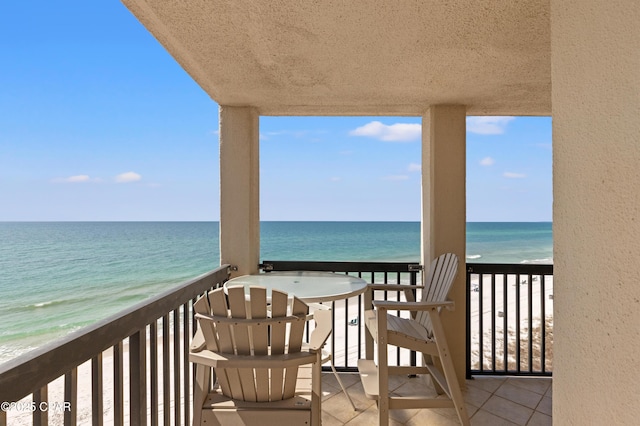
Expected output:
(490, 401)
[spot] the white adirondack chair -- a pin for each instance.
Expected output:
(260, 376)
(422, 332)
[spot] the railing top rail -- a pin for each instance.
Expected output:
(24, 374)
(288, 265)
(510, 268)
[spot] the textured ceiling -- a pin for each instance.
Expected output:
(383, 57)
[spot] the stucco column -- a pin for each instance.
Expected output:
(595, 71)
(444, 210)
(239, 188)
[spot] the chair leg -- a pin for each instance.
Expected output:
(447, 367)
(316, 392)
(383, 370)
(335, 373)
(200, 391)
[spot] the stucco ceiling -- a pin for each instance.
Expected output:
(376, 57)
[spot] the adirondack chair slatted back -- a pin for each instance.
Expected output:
(441, 275)
(255, 338)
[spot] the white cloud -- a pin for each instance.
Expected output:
(487, 161)
(414, 167)
(488, 125)
(396, 177)
(399, 132)
(128, 177)
(511, 175)
(335, 179)
(73, 179)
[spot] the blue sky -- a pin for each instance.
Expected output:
(98, 122)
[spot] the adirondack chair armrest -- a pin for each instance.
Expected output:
(197, 343)
(412, 306)
(392, 287)
(321, 333)
(218, 360)
(231, 320)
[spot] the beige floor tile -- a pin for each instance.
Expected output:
(398, 380)
(476, 396)
(431, 418)
(370, 417)
(403, 416)
(416, 386)
(348, 379)
(484, 418)
(537, 385)
(516, 413)
(519, 395)
(489, 384)
(338, 406)
(539, 419)
(545, 406)
(329, 420)
(328, 390)
(356, 392)
(453, 414)
(508, 409)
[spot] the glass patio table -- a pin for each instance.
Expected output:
(308, 286)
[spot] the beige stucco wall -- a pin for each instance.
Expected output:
(596, 135)
(239, 188)
(444, 210)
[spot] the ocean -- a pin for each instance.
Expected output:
(56, 277)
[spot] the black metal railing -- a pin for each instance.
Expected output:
(101, 371)
(509, 331)
(348, 340)
(525, 311)
(509, 319)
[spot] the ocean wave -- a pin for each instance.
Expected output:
(548, 260)
(9, 352)
(474, 256)
(54, 302)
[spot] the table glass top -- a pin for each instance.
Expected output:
(310, 286)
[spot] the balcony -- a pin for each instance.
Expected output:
(132, 368)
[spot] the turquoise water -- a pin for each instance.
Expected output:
(58, 277)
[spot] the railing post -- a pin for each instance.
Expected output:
(71, 396)
(411, 296)
(138, 378)
(368, 339)
(40, 417)
(468, 321)
(153, 369)
(118, 385)
(176, 365)
(96, 390)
